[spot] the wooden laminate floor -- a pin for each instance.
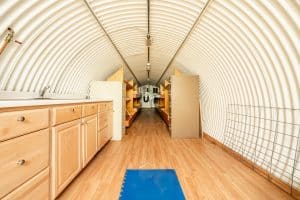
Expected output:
(203, 169)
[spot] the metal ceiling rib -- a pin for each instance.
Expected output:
(183, 41)
(109, 38)
(126, 23)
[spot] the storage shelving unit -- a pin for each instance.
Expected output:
(131, 96)
(163, 105)
(132, 102)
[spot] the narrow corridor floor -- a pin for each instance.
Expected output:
(203, 169)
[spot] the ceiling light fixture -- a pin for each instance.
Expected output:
(148, 40)
(148, 66)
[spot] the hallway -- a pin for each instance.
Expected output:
(203, 169)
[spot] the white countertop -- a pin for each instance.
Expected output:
(42, 102)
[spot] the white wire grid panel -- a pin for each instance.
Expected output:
(267, 136)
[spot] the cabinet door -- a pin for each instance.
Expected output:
(66, 155)
(89, 136)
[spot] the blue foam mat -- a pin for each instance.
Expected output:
(151, 184)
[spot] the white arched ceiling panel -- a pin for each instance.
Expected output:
(170, 23)
(126, 24)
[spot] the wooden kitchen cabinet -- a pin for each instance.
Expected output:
(105, 123)
(89, 138)
(66, 155)
(67, 136)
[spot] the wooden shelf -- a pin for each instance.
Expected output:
(164, 115)
(136, 97)
(132, 102)
(130, 117)
(129, 84)
(167, 84)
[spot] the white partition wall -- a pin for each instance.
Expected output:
(114, 91)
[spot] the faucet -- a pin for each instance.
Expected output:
(43, 92)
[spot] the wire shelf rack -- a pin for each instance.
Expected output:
(267, 136)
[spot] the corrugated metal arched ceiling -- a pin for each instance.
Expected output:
(65, 48)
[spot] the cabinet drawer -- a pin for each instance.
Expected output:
(99, 140)
(102, 121)
(18, 123)
(65, 114)
(101, 107)
(35, 188)
(89, 109)
(102, 138)
(22, 158)
(110, 106)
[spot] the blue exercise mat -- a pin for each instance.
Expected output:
(151, 185)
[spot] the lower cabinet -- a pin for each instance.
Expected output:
(110, 124)
(21, 159)
(36, 188)
(105, 127)
(66, 155)
(89, 138)
(102, 137)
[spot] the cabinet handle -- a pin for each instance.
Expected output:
(21, 119)
(73, 109)
(21, 162)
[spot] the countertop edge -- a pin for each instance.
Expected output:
(29, 103)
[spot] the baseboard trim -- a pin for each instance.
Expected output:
(264, 173)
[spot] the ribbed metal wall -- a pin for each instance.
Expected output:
(247, 52)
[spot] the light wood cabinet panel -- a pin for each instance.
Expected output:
(13, 124)
(105, 128)
(22, 158)
(66, 155)
(62, 114)
(110, 106)
(89, 138)
(36, 188)
(89, 109)
(105, 106)
(110, 124)
(101, 107)
(102, 137)
(102, 121)
(99, 140)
